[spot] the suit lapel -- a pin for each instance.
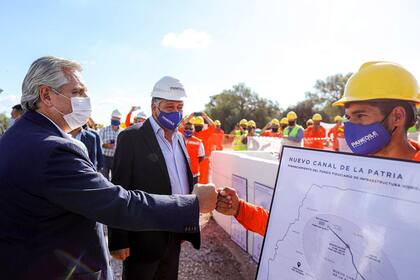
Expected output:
(151, 141)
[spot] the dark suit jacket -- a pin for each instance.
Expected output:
(89, 139)
(51, 197)
(139, 164)
(99, 152)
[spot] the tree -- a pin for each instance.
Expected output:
(232, 105)
(4, 122)
(326, 93)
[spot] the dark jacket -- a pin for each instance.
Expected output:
(89, 139)
(139, 164)
(51, 197)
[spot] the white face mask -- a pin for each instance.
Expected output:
(81, 111)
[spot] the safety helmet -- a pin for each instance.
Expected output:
(243, 122)
(275, 122)
(380, 80)
(252, 123)
(217, 123)
(169, 88)
(317, 117)
(141, 115)
(198, 121)
(284, 121)
(338, 119)
(309, 122)
(116, 114)
(291, 116)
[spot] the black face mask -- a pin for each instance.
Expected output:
(275, 129)
(292, 123)
(250, 129)
(198, 128)
(283, 126)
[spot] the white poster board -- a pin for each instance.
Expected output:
(266, 144)
(339, 216)
(237, 232)
(262, 197)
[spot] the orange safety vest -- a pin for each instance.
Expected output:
(204, 136)
(193, 147)
(216, 140)
(314, 137)
(337, 132)
(269, 133)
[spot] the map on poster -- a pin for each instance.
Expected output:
(237, 232)
(339, 216)
(262, 197)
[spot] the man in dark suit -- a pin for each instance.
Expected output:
(51, 197)
(163, 170)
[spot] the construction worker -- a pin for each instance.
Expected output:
(336, 133)
(315, 135)
(239, 133)
(251, 127)
(272, 129)
(309, 123)
(217, 137)
(293, 134)
(204, 135)
(283, 124)
(195, 150)
(380, 104)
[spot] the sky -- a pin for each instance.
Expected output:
(278, 48)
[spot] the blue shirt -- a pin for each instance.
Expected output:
(174, 155)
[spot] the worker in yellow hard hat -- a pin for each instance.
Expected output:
(272, 129)
(315, 135)
(309, 122)
(240, 132)
(336, 133)
(283, 124)
(293, 133)
(380, 104)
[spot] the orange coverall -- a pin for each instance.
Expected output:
(337, 132)
(205, 136)
(314, 137)
(216, 140)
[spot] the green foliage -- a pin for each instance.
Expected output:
(4, 122)
(232, 105)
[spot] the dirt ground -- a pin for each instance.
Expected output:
(218, 258)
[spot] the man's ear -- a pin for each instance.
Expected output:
(45, 95)
(398, 116)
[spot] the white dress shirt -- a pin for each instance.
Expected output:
(175, 155)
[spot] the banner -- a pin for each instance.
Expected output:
(339, 216)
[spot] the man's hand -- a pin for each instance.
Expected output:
(207, 197)
(121, 254)
(228, 202)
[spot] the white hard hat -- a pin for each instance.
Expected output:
(169, 88)
(116, 114)
(141, 115)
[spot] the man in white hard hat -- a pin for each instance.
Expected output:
(154, 157)
(109, 136)
(140, 118)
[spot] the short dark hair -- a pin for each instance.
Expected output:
(387, 105)
(18, 108)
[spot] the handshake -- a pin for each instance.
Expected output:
(224, 200)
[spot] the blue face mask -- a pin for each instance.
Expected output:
(366, 139)
(188, 133)
(170, 120)
(115, 123)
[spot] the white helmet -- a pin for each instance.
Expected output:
(169, 88)
(116, 114)
(141, 115)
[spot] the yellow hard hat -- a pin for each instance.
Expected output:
(310, 121)
(317, 117)
(198, 121)
(252, 123)
(338, 119)
(275, 122)
(291, 116)
(284, 121)
(243, 122)
(380, 80)
(191, 121)
(217, 123)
